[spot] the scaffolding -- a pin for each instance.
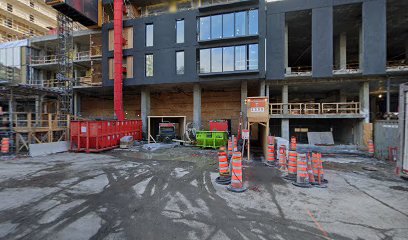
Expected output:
(65, 62)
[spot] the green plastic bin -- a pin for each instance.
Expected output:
(211, 139)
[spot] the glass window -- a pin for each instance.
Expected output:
(149, 65)
(205, 28)
(216, 60)
(180, 63)
(228, 59)
(228, 25)
(180, 31)
(253, 22)
(240, 58)
(205, 60)
(216, 27)
(253, 57)
(149, 35)
(240, 23)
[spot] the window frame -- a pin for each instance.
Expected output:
(184, 62)
(184, 32)
(147, 25)
(146, 69)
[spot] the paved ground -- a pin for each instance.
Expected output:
(136, 195)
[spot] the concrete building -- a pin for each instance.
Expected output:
(20, 19)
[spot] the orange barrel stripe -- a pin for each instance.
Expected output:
(5, 145)
(282, 157)
(370, 146)
(315, 164)
(319, 157)
(309, 168)
(236, 176)
(271, 153)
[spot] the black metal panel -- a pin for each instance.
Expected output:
(374, 37)
(322, 42)
(275, 49)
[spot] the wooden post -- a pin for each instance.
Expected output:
(50, 128)
(68, 129)
(249, 141)
(30, 130)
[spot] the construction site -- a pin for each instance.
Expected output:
(196, 119)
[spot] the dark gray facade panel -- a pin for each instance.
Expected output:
(164, 49)
(322, 42)
(275, 49)
(374, 37)
(298, 5)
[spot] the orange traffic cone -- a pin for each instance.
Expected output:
(237, 184)
(223, 167)
(302, 177)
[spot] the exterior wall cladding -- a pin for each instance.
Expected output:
(271, 27)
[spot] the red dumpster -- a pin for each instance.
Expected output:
(96, 136)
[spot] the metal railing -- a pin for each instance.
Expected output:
(47, 59)
(314, 108)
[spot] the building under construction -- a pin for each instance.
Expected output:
(325, 66)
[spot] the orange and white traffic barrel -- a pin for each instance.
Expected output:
(271, 159)
(302, 177)
(370, 147)
(5, 145)
(292, 166)
(310, 169)
(237, 184)
(318, 171)
(223, 168)
(282, 158)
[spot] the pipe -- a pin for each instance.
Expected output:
(118, 59)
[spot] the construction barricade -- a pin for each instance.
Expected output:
(302, 175)
(282, 158)
(292, 166)
(237, 184)
(271, 159)
(96, 136)
(223, 168)
(293, 144)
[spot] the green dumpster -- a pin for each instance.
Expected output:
(211, 139)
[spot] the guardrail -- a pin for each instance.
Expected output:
(314, 108)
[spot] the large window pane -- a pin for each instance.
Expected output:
(228, 59)
(180, 62)
(205, 60)
(240, 58)
(253, 22)
(149, 65)
(180, 31)
(216, 60)
(216, 27)
(228, 25)
(253, 57)
(205, 28)
(240, 23)
(149, 35)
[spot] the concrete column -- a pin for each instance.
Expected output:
(364, 98)
(197, 106)
(360, 48)
(77, 104)
(267, 91)
(406, 51)
(285, 122)
(286, 46)
(341, 51)
(244, 95)
(285, 129)
(388, 99)
(38, 108)
(343, 96)
(285, 98)
(145, 109)
(262, 85)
